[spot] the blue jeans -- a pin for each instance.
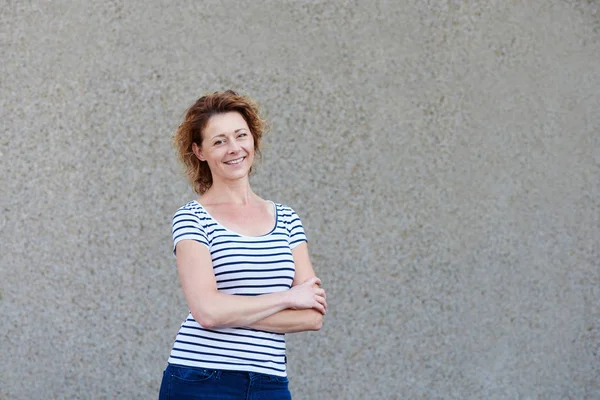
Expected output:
(207, 384)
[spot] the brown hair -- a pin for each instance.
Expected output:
(196, 119)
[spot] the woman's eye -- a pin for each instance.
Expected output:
(242, 134)
(218, 142)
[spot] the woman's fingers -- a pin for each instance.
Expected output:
(321, 297)
(320, 308)
(312, 281)
(309, 295)
(322, 302)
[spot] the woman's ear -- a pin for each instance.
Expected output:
(198, 152)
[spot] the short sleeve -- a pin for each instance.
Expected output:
(186, 226)
(296, 230)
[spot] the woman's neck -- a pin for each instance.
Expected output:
(237, 192)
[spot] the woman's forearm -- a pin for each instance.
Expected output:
(213, 309)
(290, 321)
(220, 310)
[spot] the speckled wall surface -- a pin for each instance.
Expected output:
(444, 157)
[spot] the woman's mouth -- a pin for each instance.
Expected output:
(236, 161)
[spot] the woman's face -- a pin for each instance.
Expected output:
(227, 147)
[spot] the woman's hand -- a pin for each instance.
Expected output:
(308, 295)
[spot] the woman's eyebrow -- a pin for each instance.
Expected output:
(225, 134)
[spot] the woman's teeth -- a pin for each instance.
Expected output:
(239, 160)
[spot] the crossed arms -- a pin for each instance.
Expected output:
(300, 308)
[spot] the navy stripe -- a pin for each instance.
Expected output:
(229, 341)
(298, 241)
(227, 356)
(197, 231)
(257, 330)
(216, 236)
(255, 278)
(228, 363)
(253, 270)
(211, 232)
(251, 255)
(248, 241)
(229, 349)
(179, 214)
(248, 336)
(254, 286)
(254, 263)
(190, 234)
(248, 248)
(251, 294)
(185, 220)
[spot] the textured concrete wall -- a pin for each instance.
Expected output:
(444, 156)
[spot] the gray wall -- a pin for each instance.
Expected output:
(444, 157)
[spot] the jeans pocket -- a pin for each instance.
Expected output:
(191, 375)
(279, 379)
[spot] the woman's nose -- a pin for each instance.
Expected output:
(234, 146)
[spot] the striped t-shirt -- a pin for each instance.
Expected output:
(244, 266)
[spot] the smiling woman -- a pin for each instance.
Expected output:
(228, 148)
(242, 261)
(191, 131)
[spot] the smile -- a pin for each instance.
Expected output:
(236, 161)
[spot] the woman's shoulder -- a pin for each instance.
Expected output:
(285, 211)
(190, 208)
(280, 206)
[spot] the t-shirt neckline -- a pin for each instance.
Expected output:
(239, 234)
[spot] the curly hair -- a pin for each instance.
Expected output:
(195, 121)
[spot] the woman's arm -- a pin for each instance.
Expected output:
(213, 309)
(290, 321)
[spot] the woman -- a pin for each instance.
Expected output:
(243, 264)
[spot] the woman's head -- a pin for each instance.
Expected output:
(190, 137)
